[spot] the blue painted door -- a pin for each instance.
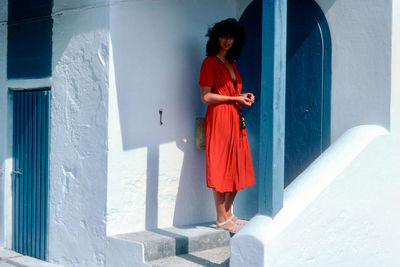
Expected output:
(307, 87)
(30, 171)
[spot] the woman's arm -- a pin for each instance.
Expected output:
(212, 98)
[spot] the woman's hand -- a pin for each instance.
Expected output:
(244, 100)
(249, 96)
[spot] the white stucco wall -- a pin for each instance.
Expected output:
(78, 157)
(395, 98)
(341, 211)
(361, 60)
(156, 174)
(3, 116)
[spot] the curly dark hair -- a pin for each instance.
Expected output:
(228, 27)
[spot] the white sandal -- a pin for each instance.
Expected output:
(233, 229)
(238, 221)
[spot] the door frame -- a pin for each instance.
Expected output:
(272, 106)
(8, 167)
(327, 75)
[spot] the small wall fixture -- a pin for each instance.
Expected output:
(160, 111)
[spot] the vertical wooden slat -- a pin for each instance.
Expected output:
(15, 178)
(42, 159)
(39, 174)
(25, 175)
(30, 175)
(46, 172)
(21, 176)
(35, 176)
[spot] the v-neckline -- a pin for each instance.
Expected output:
(229, 72)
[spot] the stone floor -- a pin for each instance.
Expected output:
(9, 258)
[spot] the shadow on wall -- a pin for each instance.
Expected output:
(140, 127)
(299, 41)
(325, 5)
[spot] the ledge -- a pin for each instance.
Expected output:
(171, 241)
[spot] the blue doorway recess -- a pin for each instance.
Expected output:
(31, 121)
(308, 86)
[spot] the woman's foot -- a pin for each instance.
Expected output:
(228, 225)
(237, 221)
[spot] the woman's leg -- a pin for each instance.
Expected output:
(219, 199)
(222, 218)
(229, 198)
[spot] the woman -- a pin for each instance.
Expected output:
(228, 159)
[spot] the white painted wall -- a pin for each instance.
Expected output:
(156, 174)
(349, 220)
(361, 61)
(3, 116)
(78, 157)
(395, 98)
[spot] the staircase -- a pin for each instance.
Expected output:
(191, 245)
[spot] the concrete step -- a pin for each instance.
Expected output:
(216, 257)
(178, 240)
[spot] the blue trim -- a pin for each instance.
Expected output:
(272, 103)
(327, 76)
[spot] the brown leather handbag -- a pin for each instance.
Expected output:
(200, 134)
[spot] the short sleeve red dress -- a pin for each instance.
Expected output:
(228, 159)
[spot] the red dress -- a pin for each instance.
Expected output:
(228, 159)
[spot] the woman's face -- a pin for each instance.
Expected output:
(225, 42)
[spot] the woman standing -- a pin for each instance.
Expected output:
(228, 160)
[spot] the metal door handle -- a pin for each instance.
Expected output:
(16, 173)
